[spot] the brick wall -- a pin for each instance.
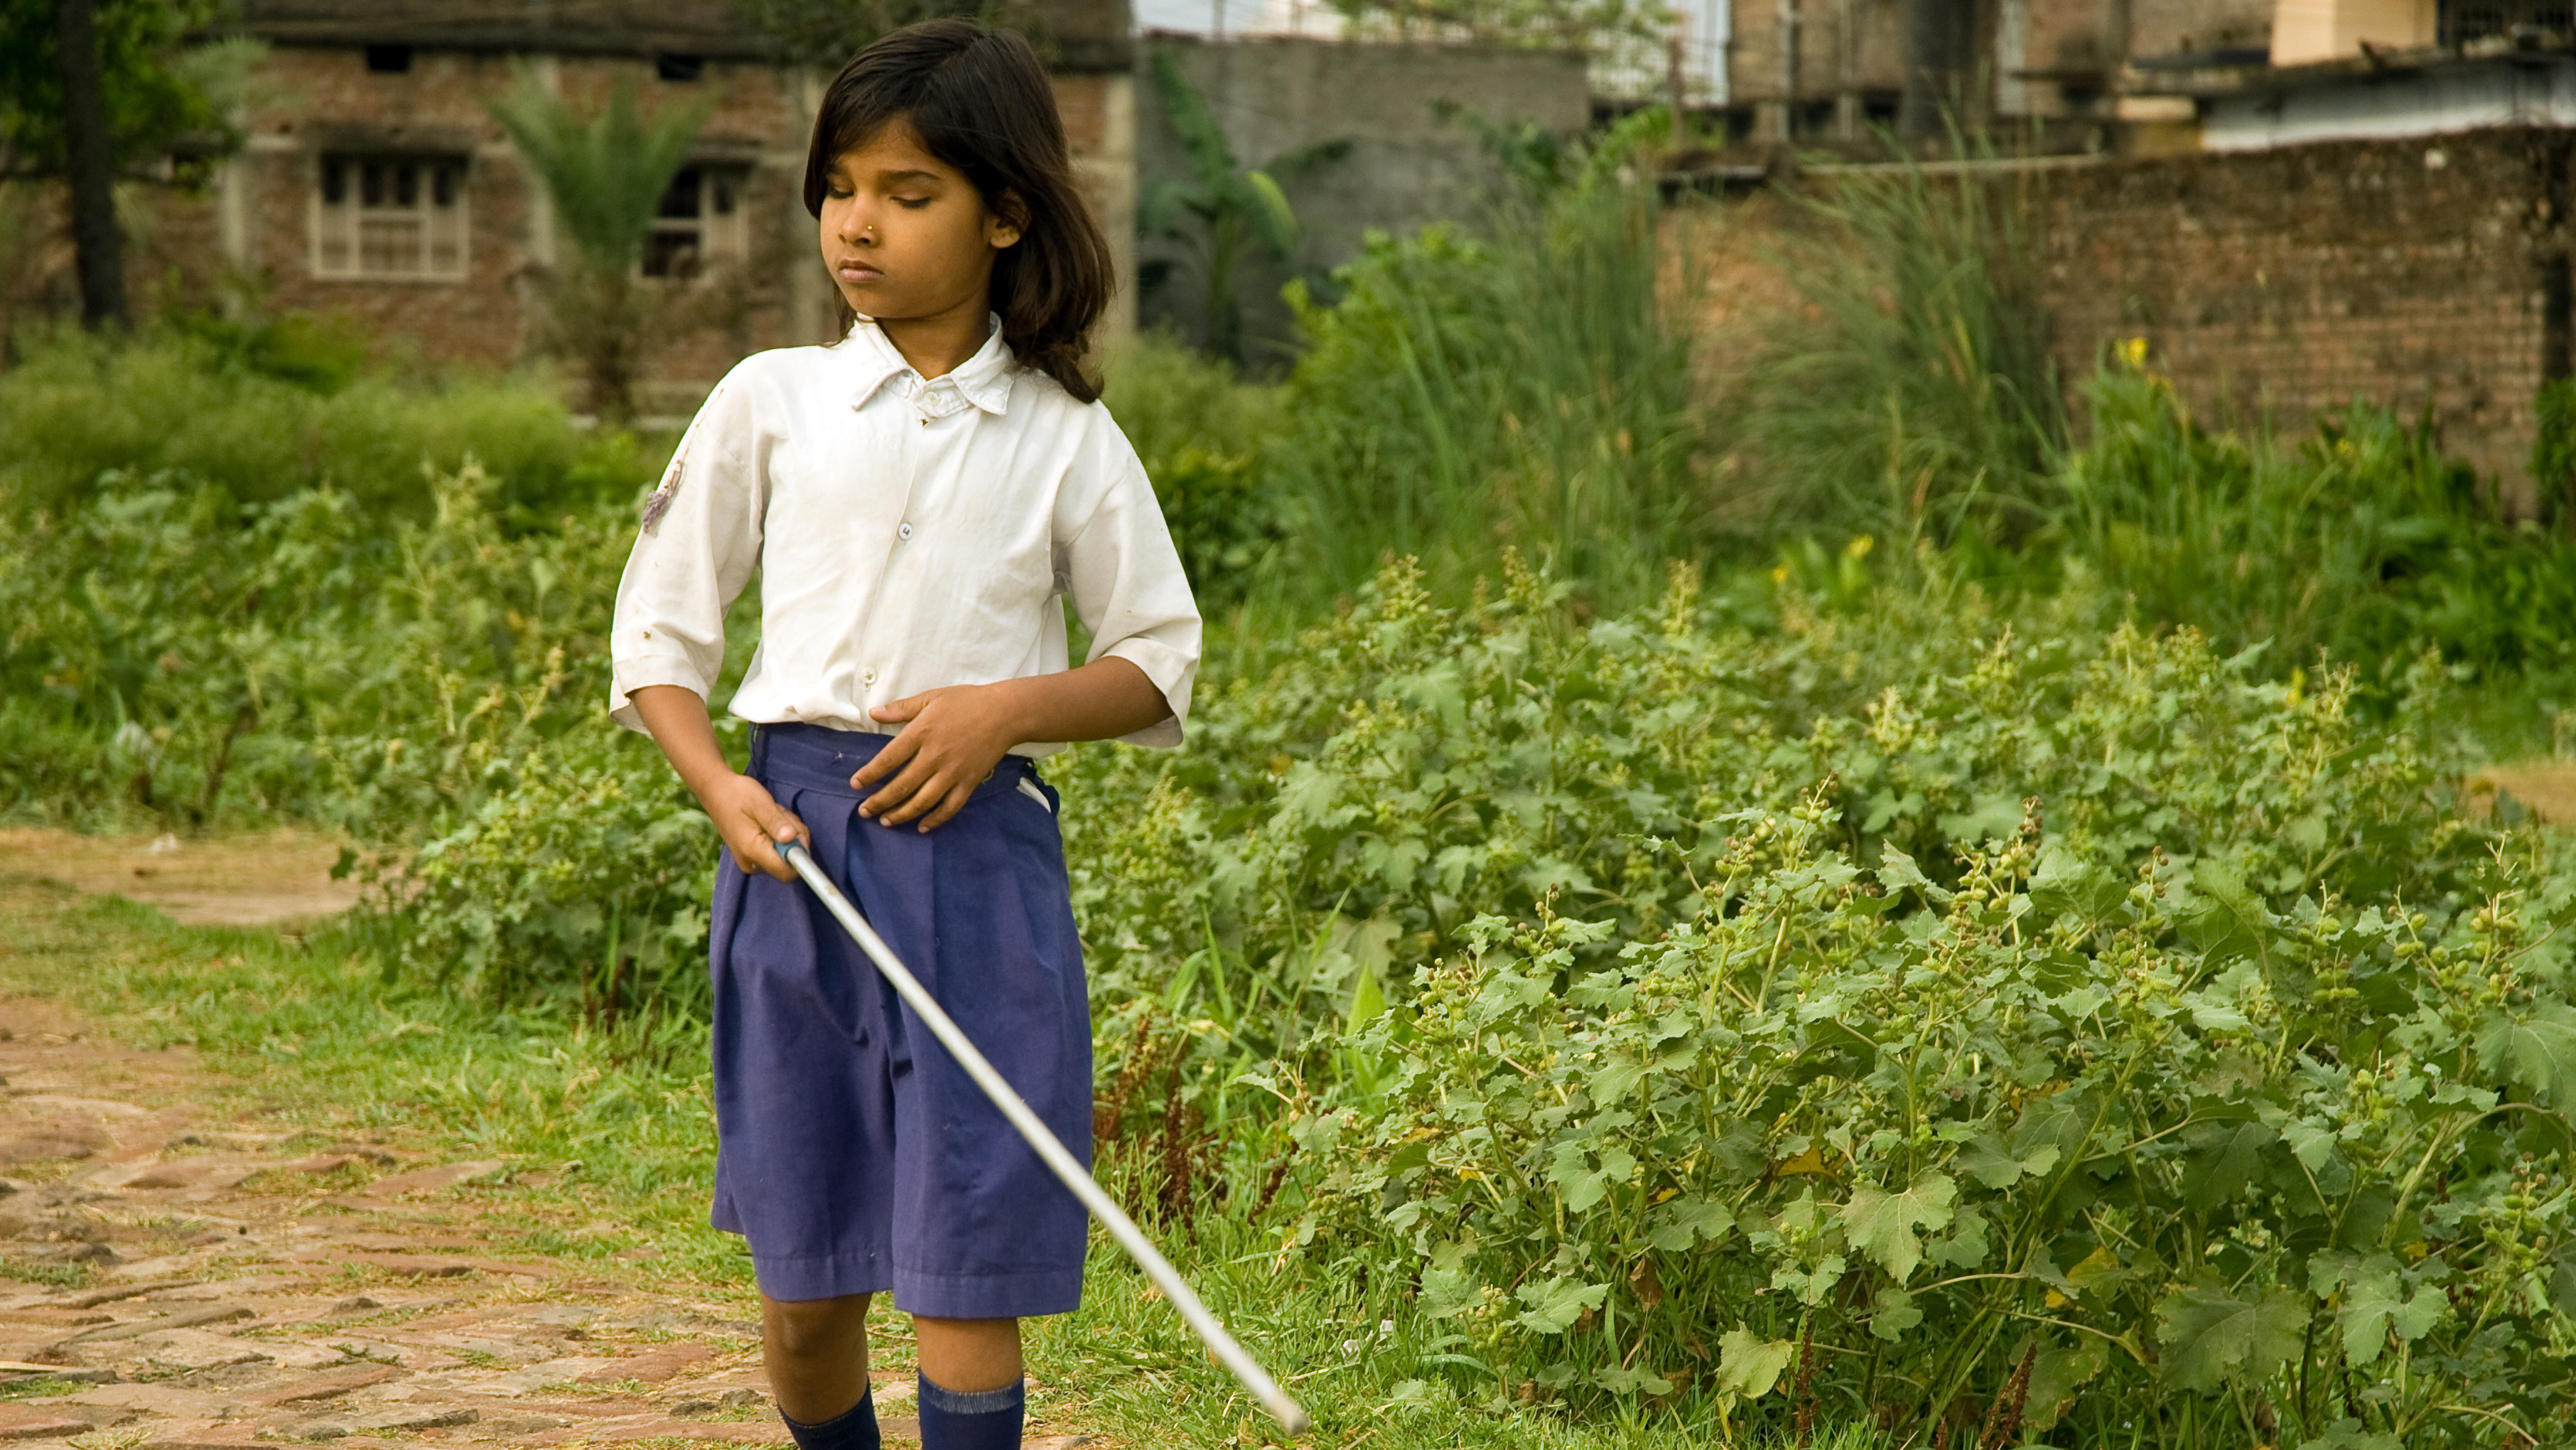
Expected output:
(2427, 276)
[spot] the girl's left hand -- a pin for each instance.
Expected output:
(950, 742)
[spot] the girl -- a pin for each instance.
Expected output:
(915, 497)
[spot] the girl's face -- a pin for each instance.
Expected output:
(907, 236)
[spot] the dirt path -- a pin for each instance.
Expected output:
(177, 1273)
(245, 880)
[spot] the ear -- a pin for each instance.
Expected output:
(1006, 221)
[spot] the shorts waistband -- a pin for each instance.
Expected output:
(819, 758)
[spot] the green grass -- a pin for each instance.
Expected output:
(315, 1037)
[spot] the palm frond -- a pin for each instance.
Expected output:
(606, 175)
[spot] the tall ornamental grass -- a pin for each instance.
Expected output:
(1524, 384)
(1909, 390)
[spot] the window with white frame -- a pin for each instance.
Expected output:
(390, 216)
(699, 222)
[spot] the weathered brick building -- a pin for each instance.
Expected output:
(374, 184)
(1829, 69)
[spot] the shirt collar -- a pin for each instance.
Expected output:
(983, 380)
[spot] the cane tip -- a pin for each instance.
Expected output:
(1291, 1417)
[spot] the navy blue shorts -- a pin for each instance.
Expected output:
(852, 1152)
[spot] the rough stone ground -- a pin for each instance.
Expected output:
(191, 1277)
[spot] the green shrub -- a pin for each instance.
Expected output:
(74, 408)
(581, 876)
(1894, 1004)
(1202, 432)
(2363, 539)
(175, 654)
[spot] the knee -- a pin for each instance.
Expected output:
(814, 1327)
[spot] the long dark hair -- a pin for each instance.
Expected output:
(981, 102)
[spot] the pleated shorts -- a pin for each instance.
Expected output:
(852, 1152)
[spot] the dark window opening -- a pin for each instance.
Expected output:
(679, 67)
(389, 60)
(335, 182)
(699, 221)
(681, 197)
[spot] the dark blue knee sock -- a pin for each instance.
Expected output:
(990, 1420)
(856, 1430)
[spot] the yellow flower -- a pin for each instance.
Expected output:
(1780, 575)
(2134, 353)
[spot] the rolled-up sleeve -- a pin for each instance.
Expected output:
(697, 548)
(1125, 579)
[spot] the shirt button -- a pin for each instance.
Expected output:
(904, 532)
(869, 678)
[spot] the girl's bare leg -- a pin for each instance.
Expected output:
(969, 1356)
(817, 1354)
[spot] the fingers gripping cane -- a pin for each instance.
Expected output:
(1049, 1149)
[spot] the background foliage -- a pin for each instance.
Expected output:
(1988, 948)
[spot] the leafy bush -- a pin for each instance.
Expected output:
(190, 658)
(1925, 1021)
(201, 405)
(1202, 432)
(2363, 539)
(583, 874)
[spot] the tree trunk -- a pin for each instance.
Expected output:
(101, 247)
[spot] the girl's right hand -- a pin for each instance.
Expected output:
(753, 824)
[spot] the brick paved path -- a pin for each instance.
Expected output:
(245, 1289)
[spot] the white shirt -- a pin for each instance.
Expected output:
(910, 534)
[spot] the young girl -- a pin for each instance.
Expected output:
(915, 497)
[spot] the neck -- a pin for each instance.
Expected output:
(940, 342)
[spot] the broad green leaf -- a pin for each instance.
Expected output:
(1685, 1221)
(1448, 1291)
(1882, 1224)
(2056, 1375)
(1995, 815)
(2373, 1303)
(1748, 1366)
(1571, 1170)
(2211, 1337)
(1898, 872)
(1552, 1307)
(2098, 1270)
(2225, 1162)
(2536, 1053)
(2313, 1142)
(2067, 881)
(1987, 1160)
(1629, 1381)
(1893, 1313)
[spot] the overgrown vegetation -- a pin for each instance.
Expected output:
(1916, 1011)
(1986, 950)
(1526, 387)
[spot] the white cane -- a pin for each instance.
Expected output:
(1049, 1148)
